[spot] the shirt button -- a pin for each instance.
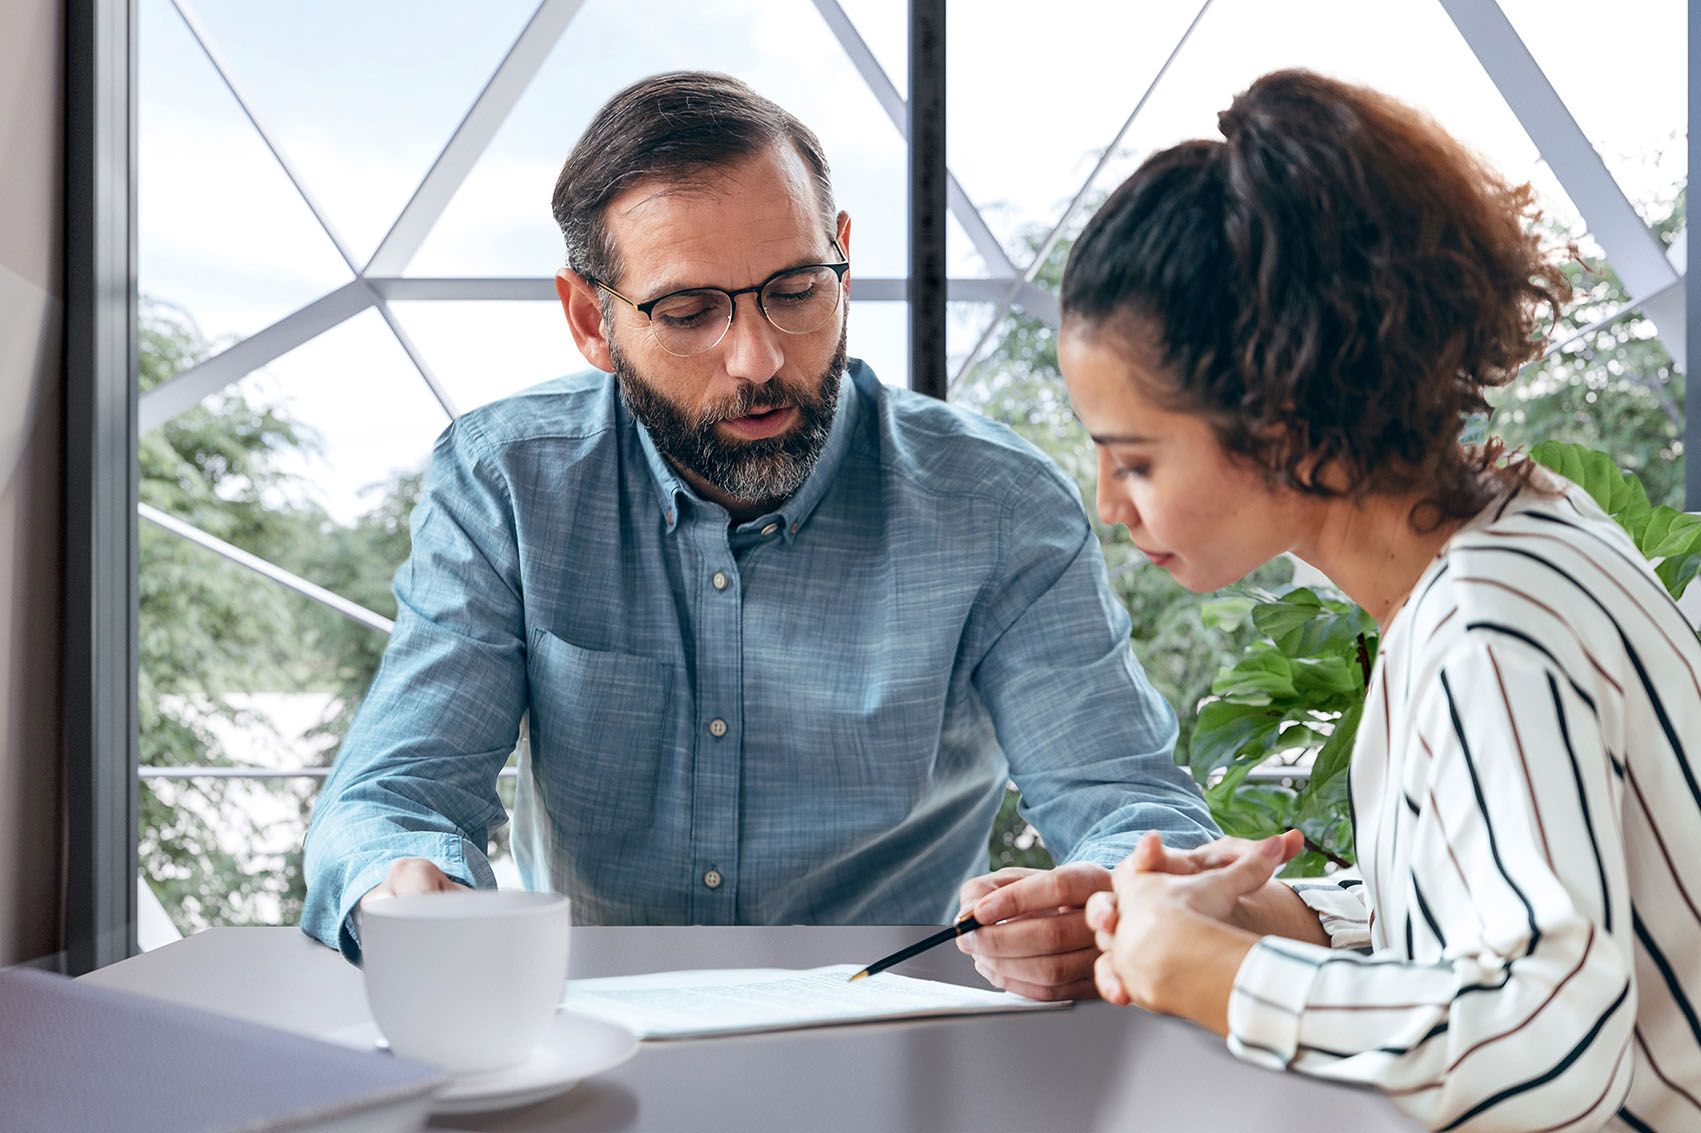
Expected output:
(717, 727)
(712, 879)
(770, 529)
(720, 580)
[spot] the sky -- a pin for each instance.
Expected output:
(360, 96)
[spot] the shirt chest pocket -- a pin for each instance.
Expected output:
(597, 725)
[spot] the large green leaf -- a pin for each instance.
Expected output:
(1224, 730)
(1668, 537)
(1320, 681)
(1678, 572)
(1302, 623)
(1256, 679)
(1620, 494)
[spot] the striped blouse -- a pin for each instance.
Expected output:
(1522, 949)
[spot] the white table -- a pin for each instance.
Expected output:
(1091, 1067)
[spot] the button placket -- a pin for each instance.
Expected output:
(718, 646)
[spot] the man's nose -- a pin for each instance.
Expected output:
(753, 348)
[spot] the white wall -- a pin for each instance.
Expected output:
(31, 111)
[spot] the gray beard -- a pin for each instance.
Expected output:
(754, 472)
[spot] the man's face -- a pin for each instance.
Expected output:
(749, 416)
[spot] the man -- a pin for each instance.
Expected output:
(778, 635)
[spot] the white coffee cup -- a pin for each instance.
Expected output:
(467, 980)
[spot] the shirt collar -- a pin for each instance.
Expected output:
(674, 494)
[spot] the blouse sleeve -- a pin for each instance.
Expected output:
(1520, 1012)
(1340, 905)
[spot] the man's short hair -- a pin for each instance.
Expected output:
(669, 127)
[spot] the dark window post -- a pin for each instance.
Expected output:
(1692, 303)
(99, 658)
(927, 197)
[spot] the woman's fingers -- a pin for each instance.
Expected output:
(1106, 981)
(1101, 912)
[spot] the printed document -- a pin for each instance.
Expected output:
(677, 1005)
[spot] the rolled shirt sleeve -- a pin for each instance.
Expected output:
(1090, 743)
(416, 774)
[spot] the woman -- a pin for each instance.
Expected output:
(1273, 340)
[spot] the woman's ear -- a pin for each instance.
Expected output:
(581, 301)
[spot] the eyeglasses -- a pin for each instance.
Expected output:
(796, 300)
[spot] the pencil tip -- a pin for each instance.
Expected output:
(859, 975)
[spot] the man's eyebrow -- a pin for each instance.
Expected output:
(669, 287)
(1120, 439)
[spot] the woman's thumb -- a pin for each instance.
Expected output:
(1253, 868)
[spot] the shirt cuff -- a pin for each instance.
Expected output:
(1341, 911)
(1271, 989)
(449, 855)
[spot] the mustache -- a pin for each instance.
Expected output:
(751, 399)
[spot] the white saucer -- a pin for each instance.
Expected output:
(574, 1048)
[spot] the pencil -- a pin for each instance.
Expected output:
(965, 923)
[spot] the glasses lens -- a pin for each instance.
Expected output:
(691, 321)
(802, 301)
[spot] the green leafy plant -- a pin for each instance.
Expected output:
(1668, 538)
(1297, 693)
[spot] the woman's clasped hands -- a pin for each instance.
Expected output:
(1177, 923)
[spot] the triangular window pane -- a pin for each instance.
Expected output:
(499, 223)
(220, 230)
(362, 97)
(1629, 94)
(1032, 100)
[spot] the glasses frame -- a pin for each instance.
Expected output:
(838, 269)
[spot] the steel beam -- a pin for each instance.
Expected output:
(98, 662)
(470, 139)
(1633, 250)
(986, 242)
(353, 611)
(1056, 234)
(234, 363)
(927, 177)
(1691, 354)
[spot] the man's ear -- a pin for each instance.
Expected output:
(582, 304)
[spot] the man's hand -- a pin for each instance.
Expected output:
(1035, 941)
(408, 876)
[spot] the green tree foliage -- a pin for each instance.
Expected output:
(1615, 389)
(213, 635)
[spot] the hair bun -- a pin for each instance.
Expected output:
(1230, 121)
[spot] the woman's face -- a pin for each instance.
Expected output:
(1194, 510)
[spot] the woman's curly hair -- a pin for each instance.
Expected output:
(1334, 286)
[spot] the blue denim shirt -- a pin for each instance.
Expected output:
(806, 718)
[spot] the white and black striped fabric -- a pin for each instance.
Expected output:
(1521, 946)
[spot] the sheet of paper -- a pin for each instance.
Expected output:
(737, 1000)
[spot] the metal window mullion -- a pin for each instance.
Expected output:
(1056, 234)
(927, 196)
(1634, 251)
(336, 602)
(203, 771)
(489, 110)
(192, 22)
(885, 92)
(98, 662)
(205, 378)
(1692, 298)
(876, 289)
